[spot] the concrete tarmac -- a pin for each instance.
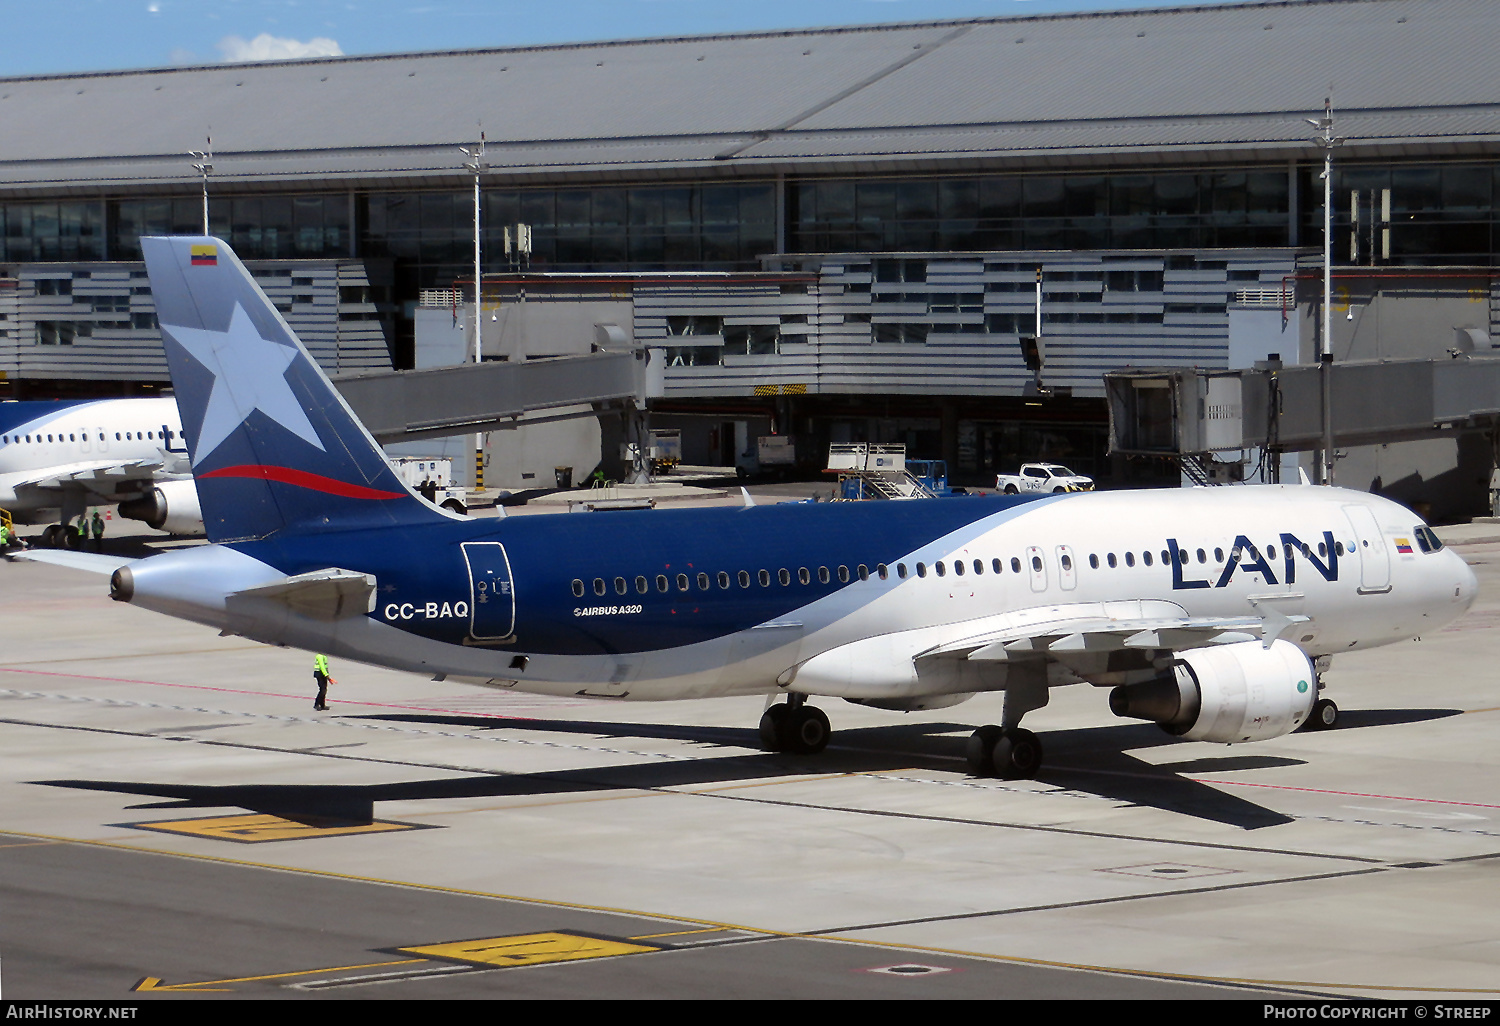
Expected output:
(176, 815)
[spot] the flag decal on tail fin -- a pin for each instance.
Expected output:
(302, 479)
(205, 256)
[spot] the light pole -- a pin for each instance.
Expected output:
(204, 165)
(475, 165)
(1328, 141)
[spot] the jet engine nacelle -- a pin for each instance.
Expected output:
(171, 506)
(1228, 694)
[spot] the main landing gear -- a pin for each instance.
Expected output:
(794, 726)
(1011, 752)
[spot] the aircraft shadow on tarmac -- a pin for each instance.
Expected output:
(1092, 760)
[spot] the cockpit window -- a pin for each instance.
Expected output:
(1428, 540)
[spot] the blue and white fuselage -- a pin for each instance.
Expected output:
(1206, 610)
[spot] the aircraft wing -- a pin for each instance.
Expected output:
(1079, 636)
(94, 562)
(101, 476)
(324, 595)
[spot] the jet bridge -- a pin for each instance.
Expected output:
(1189, 414)
(403, 406)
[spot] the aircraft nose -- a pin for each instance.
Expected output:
(1466, 589)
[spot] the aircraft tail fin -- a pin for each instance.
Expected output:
(273, 444)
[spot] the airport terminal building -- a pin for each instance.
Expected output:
(839, 234)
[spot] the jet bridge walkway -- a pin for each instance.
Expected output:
(404, 406)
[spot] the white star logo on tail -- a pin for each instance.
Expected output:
(249, 374)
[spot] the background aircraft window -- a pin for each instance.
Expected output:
(598, 586)
(921, 569)
(958, 567)
(882, 570)
(117, 436)
(723, 581)
(578, 589)
(703, 584)
(1015, 565)
(1036, 563)
(804, 575)
(942, 571)
(683, 583)
(901, 570)
(864, 572)
(843, 575)
(1166, 557)
(765, 578)
(1094, 560)
(1146, 557)
(1271, 551)
(1067, 561)
(823, 575)
(979, 566)
(784, 576)
(1130, 559)
(1322, 550)
(620, 586)
(661, 582)
(1202, 557)
(1218, 555)
(1110, 559)
(642, 585)
(1338, 548)
(744, 578)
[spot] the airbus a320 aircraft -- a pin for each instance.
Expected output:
(59, 458)
(1206, 610)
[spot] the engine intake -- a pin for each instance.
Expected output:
(1230, 694)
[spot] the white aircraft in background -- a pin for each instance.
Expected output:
(59, 458)
(1209, 611)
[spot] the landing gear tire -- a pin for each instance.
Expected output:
(807, 731)
(49, 536)
(1325, 715)
(71, 538)
(981, 750)
(801, 731)
(773, 728)
(1012, 753)
(1017, 755)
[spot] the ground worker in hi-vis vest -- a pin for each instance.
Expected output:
(320, 674)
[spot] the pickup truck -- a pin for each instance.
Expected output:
(1043, 477)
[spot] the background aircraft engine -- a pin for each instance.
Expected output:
(1233, 693)
(171, 506)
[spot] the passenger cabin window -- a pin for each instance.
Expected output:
(661, 582)
(598, 586)
(1015, 565)
(578, 589)
(744, 577)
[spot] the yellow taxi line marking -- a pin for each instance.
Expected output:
(764, 931)
(678, 933)
(154, 982)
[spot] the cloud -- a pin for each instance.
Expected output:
(266, 47)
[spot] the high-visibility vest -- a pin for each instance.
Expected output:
(320, 665)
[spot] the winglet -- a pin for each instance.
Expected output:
(746, 493)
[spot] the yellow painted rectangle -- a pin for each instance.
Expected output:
(255, 828)
(527, 949)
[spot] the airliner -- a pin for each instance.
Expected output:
(59, 458)
(1208, 611)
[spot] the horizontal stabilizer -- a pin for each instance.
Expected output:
(324, 595)
(94, 562)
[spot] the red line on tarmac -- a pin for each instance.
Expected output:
(1345, 794)
(263, 694)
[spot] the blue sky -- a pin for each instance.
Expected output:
(50, 36)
